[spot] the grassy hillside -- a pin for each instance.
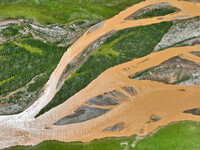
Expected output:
(179, 135)
(62, 11)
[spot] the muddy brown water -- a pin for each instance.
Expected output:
(153, 98)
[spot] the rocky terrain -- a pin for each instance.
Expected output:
(173, 71)
(178, 34)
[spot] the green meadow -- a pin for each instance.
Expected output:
(62, 11)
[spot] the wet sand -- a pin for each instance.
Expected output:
(153, 98)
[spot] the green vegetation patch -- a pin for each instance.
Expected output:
(29, 48)
(12, 30)
(107, 49)
(155, 12)
(24, 61)
(185, 78)
(102, 144)
(39, 82)
(176, 136)
(121, 47)
(7, 80)
(62, 11)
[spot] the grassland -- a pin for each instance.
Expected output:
(179, 135)
(121, 47)
(62, 11)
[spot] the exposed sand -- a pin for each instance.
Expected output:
(4, 22)
(153, 98)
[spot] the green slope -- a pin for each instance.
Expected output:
(62, 11)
